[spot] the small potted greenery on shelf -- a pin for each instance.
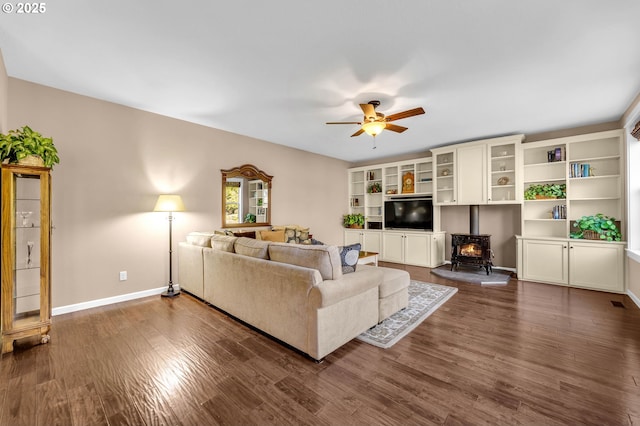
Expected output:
(596, 227)
(250, 218)
(26, 146)
(546, 190)
(353, 220)
(374, 188)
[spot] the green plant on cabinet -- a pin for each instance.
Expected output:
(546, 190)
(250, 218)
(604, 226)
(20, 143)
(374, 188)
(353, 220)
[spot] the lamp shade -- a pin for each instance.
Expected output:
(374, 128)
(169, 203)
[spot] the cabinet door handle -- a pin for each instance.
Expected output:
(564, 246)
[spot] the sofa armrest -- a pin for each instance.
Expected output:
(329, 292)
(190, 268)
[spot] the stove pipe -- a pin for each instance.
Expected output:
(474, 220)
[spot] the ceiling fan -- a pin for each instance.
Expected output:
(375, 122)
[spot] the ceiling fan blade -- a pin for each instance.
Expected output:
(405, 114)
(343, 122)
(369, 110)
(395, 128)
(358, 133)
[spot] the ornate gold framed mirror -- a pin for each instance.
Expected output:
(246, 197)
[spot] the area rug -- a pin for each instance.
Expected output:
(473, 274)
(424, 299)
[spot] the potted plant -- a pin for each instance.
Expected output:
(22, 145)
(596, 227)
(250, 218)
(374, 188)
(353, 220)
(546, 190)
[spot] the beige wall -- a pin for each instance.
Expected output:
(114, 162)
(4, 88)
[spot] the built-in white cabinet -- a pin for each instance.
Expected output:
(542, 260)
(413, 248)
(369, 240)
(504, 172)
(595, 265)
(589, 169)
(578, 263)
(370, 186)
(479, 172)
(445, 182)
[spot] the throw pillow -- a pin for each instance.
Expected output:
(276, 236)
(290, 235)
(303, 237)
(349, 257)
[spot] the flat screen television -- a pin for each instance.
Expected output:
(409, 213)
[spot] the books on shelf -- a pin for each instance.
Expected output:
(580, 170)
(559, 212)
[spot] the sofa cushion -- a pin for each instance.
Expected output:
(349, 257)
(326, 259)
(250, 247)
(223, 242)
(275, 236)
(393, 281)
(202, 239)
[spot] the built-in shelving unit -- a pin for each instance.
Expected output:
(479, 172)
(412, 178)
(592, 168)
(370, 186)
(504, 173)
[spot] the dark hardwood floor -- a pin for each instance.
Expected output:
(524, 353)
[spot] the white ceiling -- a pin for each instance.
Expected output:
(278, 70)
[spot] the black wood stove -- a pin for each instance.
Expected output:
(471, 249)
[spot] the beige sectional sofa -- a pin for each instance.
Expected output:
(293, 292)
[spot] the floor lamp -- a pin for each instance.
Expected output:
(171, 204)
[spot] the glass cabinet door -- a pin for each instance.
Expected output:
(26, 288)
(26, 295)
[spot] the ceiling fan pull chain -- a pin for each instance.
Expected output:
(374, 142)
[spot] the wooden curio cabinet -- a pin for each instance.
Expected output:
(25, 262)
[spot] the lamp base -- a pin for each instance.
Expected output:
(171, 292)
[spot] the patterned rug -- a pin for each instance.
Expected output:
(424, 299)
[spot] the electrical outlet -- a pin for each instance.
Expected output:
(123, 275)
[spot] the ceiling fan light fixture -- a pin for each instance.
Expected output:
(373, 128)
